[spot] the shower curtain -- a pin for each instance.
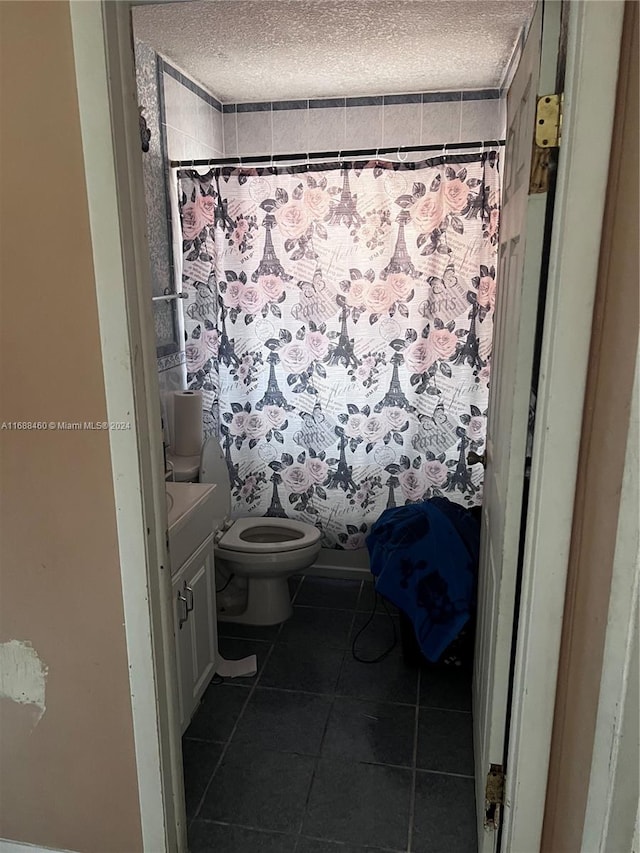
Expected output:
(339, 323)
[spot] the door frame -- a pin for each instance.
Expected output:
(107, 100)
(103, 48)
(591, 74)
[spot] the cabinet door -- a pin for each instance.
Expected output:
(195, 625)
(200, 592)
(184, 653)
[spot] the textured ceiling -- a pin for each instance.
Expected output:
(271, 50)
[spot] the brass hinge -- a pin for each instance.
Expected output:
(549, 121)
(547, 135)
(494, 796)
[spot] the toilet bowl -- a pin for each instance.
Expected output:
(265, 551)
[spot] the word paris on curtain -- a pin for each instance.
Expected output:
(339, 323)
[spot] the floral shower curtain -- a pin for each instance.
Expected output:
(339, 323)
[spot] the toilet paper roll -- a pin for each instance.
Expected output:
(187, 423)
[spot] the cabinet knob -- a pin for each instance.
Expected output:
(189, 592)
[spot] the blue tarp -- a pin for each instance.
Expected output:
(424, 557)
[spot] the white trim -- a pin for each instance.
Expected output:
(106, 83)
(618, 702)
(88, 44)
(591, 76)
(7, 846)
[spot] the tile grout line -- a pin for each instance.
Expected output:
(279, 832)
(339, 609)
(228, 742)
(350, 637)
(368, 763)
(295, 594)
(344, 128)
(346, 696)
(350, 646)
(271, 126)
(263, 830)
(445, 773)
(448, 710)
(345, 844)
(235, 116)
(326, 726)
(226, 746)
(315, 768)
(412, 800)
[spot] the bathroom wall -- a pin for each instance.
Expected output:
(185, 122)
(192, 117)
(331, 124)
(67, 780)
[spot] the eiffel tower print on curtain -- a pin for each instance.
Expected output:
(342, 390)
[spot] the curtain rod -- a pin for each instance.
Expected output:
(335, 155)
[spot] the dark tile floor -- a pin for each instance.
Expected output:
(320, 753)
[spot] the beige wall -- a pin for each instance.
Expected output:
(602, 458)
(70, 780)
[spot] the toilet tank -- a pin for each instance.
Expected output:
(213, 469)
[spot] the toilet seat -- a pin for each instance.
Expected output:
(272, 535)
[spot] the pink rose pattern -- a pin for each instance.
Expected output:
(313, 328)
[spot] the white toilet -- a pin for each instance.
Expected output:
(265, 551)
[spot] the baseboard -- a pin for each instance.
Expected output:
(7, 846)
(351, 565)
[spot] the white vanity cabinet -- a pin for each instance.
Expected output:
(194, 609)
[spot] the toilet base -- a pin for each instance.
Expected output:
(268, 603)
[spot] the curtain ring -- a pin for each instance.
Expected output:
(402, 159)
(444, 152)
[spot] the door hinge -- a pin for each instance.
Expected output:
(547, 136)
(494, 796)
(549, 121)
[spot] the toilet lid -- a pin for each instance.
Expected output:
(268, 535)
